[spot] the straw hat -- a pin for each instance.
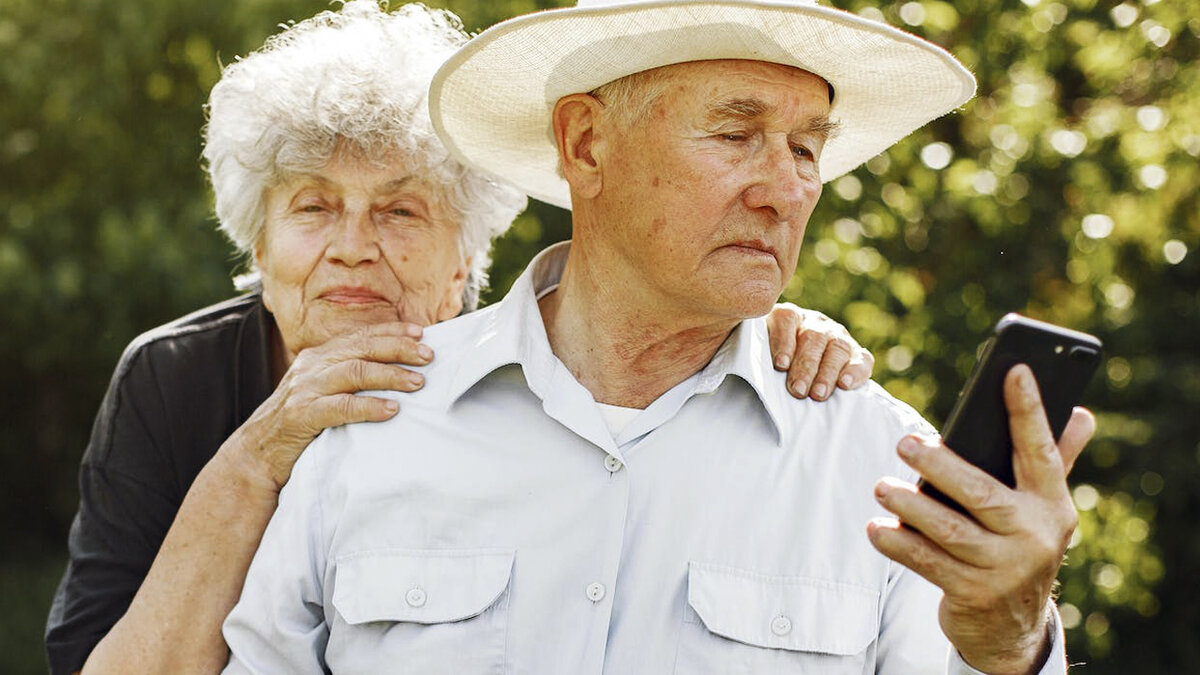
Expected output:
(491, 102)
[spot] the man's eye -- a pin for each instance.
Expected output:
(312, 208)
(733, 137)
(401, 212)
(802, 152)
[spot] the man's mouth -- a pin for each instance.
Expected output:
(753, 247)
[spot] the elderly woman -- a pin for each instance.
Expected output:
(360, 230)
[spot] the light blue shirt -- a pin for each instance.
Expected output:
(497, 526)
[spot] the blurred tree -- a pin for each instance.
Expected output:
(1066, 189)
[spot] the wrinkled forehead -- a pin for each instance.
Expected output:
(731, 71)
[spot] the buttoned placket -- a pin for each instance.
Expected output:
(563, 399)
(600, 589)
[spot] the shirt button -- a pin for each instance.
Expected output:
(595, 591)
(781, 625)
(415, 598)
(612, 464)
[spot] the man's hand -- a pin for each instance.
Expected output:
(817, 352)
(996, 571)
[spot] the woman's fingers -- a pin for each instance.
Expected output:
(355, 375)
(782, 325)
(817, 352)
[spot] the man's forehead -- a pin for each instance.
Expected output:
(735, 67)
(740, 89)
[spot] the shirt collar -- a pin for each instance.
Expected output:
(514, 333)
(746, 354)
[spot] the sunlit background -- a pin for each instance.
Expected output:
(1067, 190)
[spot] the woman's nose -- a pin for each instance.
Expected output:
(354, 239)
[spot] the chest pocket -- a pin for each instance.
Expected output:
(433, 611)
(743, 622)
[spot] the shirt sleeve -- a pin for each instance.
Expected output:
(1056, 662)
(125, 509)
(278, 624)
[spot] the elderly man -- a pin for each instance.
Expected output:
(604, 478)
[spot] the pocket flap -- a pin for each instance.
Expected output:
(419, 586)
(782, 612)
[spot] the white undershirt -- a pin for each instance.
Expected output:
(616, 418)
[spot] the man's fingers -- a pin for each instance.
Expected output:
(1077, 433)
(916, 552)
(955, 533)
(782, 326)
(991, 502)
(1037, 464)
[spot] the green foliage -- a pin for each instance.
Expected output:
(1066, 190)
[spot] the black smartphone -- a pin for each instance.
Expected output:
(1062, 361)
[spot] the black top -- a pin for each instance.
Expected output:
(178, 392)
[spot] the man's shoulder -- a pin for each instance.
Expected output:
(452, 342)
(869, 411)
(461, 331)
(877, 398)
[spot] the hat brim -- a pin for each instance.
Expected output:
(491, 102)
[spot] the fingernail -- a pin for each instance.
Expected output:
(413, 330)
(818, 391)
(417, 379)
(391, 406)
(847, 381)
(425, 352)
(908, 447)
(782, 361)
(799, 389)
(882, 489)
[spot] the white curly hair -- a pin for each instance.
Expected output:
(357, 78)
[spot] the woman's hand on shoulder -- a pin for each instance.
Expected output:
(817, 352)
(318, 392)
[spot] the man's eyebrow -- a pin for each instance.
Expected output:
(750, 108)
(823, 127)
(738, 108)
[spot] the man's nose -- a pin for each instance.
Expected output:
(354, 239)
(780, 183)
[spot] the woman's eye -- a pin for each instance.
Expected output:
(402, 212)
(802, 152)
(733, 137)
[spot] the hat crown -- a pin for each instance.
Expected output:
(492, 102)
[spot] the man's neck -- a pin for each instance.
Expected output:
(625, 349)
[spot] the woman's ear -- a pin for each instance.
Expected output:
(575, 120)
(452, 299)
(260, 259)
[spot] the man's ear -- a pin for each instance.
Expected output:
(576, 118)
